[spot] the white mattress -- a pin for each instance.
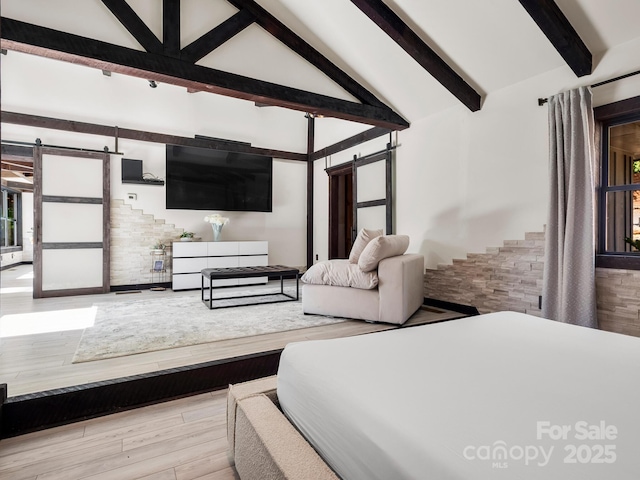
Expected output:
(432, 402)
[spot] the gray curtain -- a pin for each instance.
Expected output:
(569, 293)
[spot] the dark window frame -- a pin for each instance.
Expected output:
(18, 219)
(606, 116)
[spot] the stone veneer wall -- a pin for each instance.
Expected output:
(510, 278)
(503, 278)
(618, 297)
(133, 233)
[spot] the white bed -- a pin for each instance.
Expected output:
(432, 402)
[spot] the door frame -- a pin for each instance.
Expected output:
(341, 170)
(386, 156)
(39, 198)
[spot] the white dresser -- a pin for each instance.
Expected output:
(189, 258)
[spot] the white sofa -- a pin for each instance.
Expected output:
(398, 295)
(378, 283)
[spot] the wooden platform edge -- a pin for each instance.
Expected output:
(32, 412)
(469, 310)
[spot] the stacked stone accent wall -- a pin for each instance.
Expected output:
(503, 278)
(618, 297)
(133, 233)
(510, 278)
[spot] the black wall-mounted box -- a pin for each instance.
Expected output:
(132, 173)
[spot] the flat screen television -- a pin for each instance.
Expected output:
(207, 179)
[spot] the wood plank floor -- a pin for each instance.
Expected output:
(179, 440)
(37, 362)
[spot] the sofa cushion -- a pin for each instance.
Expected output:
(380, 248)
(340, 273)
(362, 240)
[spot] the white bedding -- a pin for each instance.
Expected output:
(432, 402)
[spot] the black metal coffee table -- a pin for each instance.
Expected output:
(270, 271)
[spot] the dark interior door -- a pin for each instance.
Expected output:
(340, 210)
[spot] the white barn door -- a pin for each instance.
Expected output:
(71, 222)
(372, 191)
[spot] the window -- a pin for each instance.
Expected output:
(619, 199)
(9, 212)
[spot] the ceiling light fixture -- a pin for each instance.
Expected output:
(153, 84)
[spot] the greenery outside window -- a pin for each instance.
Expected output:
(9, 218)
(619, 199)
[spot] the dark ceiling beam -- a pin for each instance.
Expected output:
(9, 166)
(357, 139)
(216, 36)
(28, 164)
(555, 25)
(25, 187)
(306, 51)
(134, 24)
(140, 135)
(46, 42)
(402, 34)
(18, 153)
(171, 27)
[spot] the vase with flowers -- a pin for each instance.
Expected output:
(217, 221)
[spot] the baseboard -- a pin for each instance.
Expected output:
(469, 310)
(38, 411)
(6, 267)
(139, 286)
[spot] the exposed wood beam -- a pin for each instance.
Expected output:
(311, 135)
(134, 24)
(25, 187)
(108, 131)
(171, 27)
(362, 137)
(555, 25)
(400, 32)
(217, 36)
(46, 42)
(306, 51)
(12, 167)
(17, 152)
(18, 163)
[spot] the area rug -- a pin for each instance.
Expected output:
(138, 326)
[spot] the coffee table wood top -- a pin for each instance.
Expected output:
(248, 272)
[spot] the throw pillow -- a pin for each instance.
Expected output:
(380, 248)
(340, 273)
(362, 240)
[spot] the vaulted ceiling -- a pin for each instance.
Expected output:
(384, 63)
(438, 52)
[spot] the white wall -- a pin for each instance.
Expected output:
(27, 227)
(61, 90)
(467, 181)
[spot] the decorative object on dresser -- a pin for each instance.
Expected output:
(158, 248)
(190, 258)
(217, 221)
(187, 237)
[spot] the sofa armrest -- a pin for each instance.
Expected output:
(401, 287)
